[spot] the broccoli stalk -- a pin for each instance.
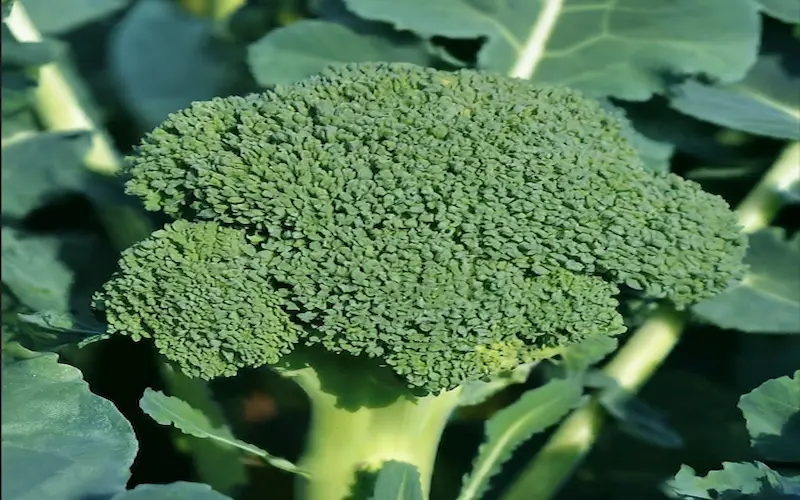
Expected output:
(386, 233)
(346, 446)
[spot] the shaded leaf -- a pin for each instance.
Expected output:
(635, 417)
(767, 299)
(180, 490)
(614, 48)
(60, 440)
(735, 481)
(68, 327)
(40, 167)
(28, 54)
(168, 410)
(534, 412)
(785, 10)
(303, 48)
(163, 58)
(32, 269)
(765, 103)
(397, 481)
(58, 17)
(772, 412)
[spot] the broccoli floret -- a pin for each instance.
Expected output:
(203, 295)
(448, 226)
(420, 217)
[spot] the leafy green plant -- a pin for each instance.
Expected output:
(458, 236)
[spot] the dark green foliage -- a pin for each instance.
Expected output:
(451, 224)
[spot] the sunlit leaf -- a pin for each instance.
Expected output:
(174, 491)
(772, 412)
(534, 412)
(609, 48)
(168, 410)
(785, 10)
(60, 441)
(397, 481)
(57, 16)
(303, 48)
(735, 480)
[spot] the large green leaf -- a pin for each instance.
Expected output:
(397, 481)
(785, 10)
(766, 102)
(766, 301)
(57, 16)
(40, 167)
(735, 481)
(534, 412)
(617, 48)
(772, 412)
(174, 491)
(163, 58)
(169, 410)
(60, 441)
(303, 48)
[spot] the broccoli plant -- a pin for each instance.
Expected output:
(416, 250)
(384, 234)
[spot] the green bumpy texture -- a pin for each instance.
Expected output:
(450, 224)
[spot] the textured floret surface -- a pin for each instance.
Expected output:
(435, 220)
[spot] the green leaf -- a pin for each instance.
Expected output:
(33, 271)
(164, 58)
(772, 412)
(765, 103)
(303, 48)
(534, 412)
(766, 301)
(735, 481)
(168, 410)
(53, 17)
(28, 54)
(54, 272)
(475, 393)
(68, 327)
(60, 441)
(655, 155)
(180, 490)
(397, 481)
(792, 193)
(578, 358)
(40, 167)
(785, 10)
(634, 416)
(606, 48)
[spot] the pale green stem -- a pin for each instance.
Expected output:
(634, 364)
(214, 9)
(60, 109)
(345, 444)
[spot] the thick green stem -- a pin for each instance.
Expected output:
(346, 447)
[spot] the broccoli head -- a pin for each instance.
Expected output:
(449, 225)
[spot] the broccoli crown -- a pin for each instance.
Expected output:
(449, 224)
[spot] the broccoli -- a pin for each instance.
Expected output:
(385, 233)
